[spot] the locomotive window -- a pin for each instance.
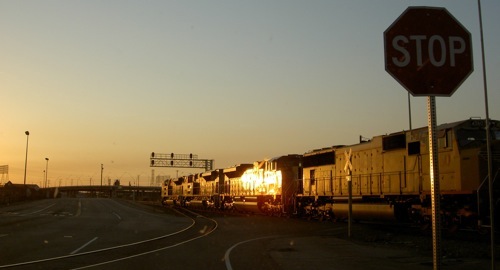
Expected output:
(496, 135)
(414, 148)
(443, 139)
(394, 142)
(319, 159)
(470, 138)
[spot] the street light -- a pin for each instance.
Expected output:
(46, 171)
(102, 168)
(26, 159)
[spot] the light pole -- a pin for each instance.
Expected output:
(488, 141)
(26, 158)
(46, 171)
(102, 168)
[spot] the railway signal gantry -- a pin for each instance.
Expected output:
(180, 161)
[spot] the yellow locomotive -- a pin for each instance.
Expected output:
(265, 186)
(389, 176)
(391, 180)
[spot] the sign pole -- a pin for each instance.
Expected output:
(409, 109)
(348, 170)
(349, 186)
(434, 175)
(430, 53)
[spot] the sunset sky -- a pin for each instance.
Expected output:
(109, 82)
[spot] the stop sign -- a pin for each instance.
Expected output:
(428, 51)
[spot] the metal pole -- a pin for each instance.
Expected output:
(46, 171)
(409, 109)
(102, 168)
(26, 158)
(349, 187)
(434, 175)
(488, 142)
(348, 170)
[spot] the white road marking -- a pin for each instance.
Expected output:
(86, 244)
(105, 249)
(118, 216)
(226, 255)
(151, 251)
(228, 252)
(116, 247)
(38, 210)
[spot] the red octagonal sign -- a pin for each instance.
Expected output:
(428, 51)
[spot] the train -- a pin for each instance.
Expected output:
(389, 179)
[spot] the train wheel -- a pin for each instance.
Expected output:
(425, 223)
(453, 228)
(482, 230)
(424, 226)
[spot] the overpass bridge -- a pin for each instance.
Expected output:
(148, 193)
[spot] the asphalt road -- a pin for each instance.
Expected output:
(99, 233)
(75, 233)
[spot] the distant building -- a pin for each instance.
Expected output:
(10, 192)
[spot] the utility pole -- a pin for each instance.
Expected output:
(102, 168)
